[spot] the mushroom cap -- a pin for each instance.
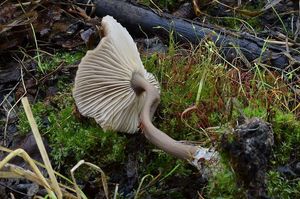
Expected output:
(103, 88)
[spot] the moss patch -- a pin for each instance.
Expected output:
(71, 139)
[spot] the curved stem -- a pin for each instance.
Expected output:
(154, 135)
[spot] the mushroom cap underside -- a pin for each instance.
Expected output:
(103, 87)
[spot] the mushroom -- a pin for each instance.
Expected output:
(113, 87)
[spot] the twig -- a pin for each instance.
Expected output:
(27, 3)
(14, 190)
(12, 107)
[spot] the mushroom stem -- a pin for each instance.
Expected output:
(154, 135)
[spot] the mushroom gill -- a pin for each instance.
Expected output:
(103, 88)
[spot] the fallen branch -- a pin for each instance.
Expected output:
(140, 20)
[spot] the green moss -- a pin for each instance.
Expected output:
(287, 137)
(223, 184)
(280, 187)
(50, 63)
(70, 139)
(40, 111)
(73, 140)
(255, 108)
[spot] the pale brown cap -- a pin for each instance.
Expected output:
(103, 88)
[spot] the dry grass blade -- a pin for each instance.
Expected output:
(10, 174)
(43, 166)
(137, 194)
(39, 177)
(40, 144)
(103, 178)
(19, 172)
(15, 172)
(116, 191)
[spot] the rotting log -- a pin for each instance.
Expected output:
(142, 20)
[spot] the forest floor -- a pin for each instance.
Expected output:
(205, 100)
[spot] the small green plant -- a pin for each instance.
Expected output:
(280, 187)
